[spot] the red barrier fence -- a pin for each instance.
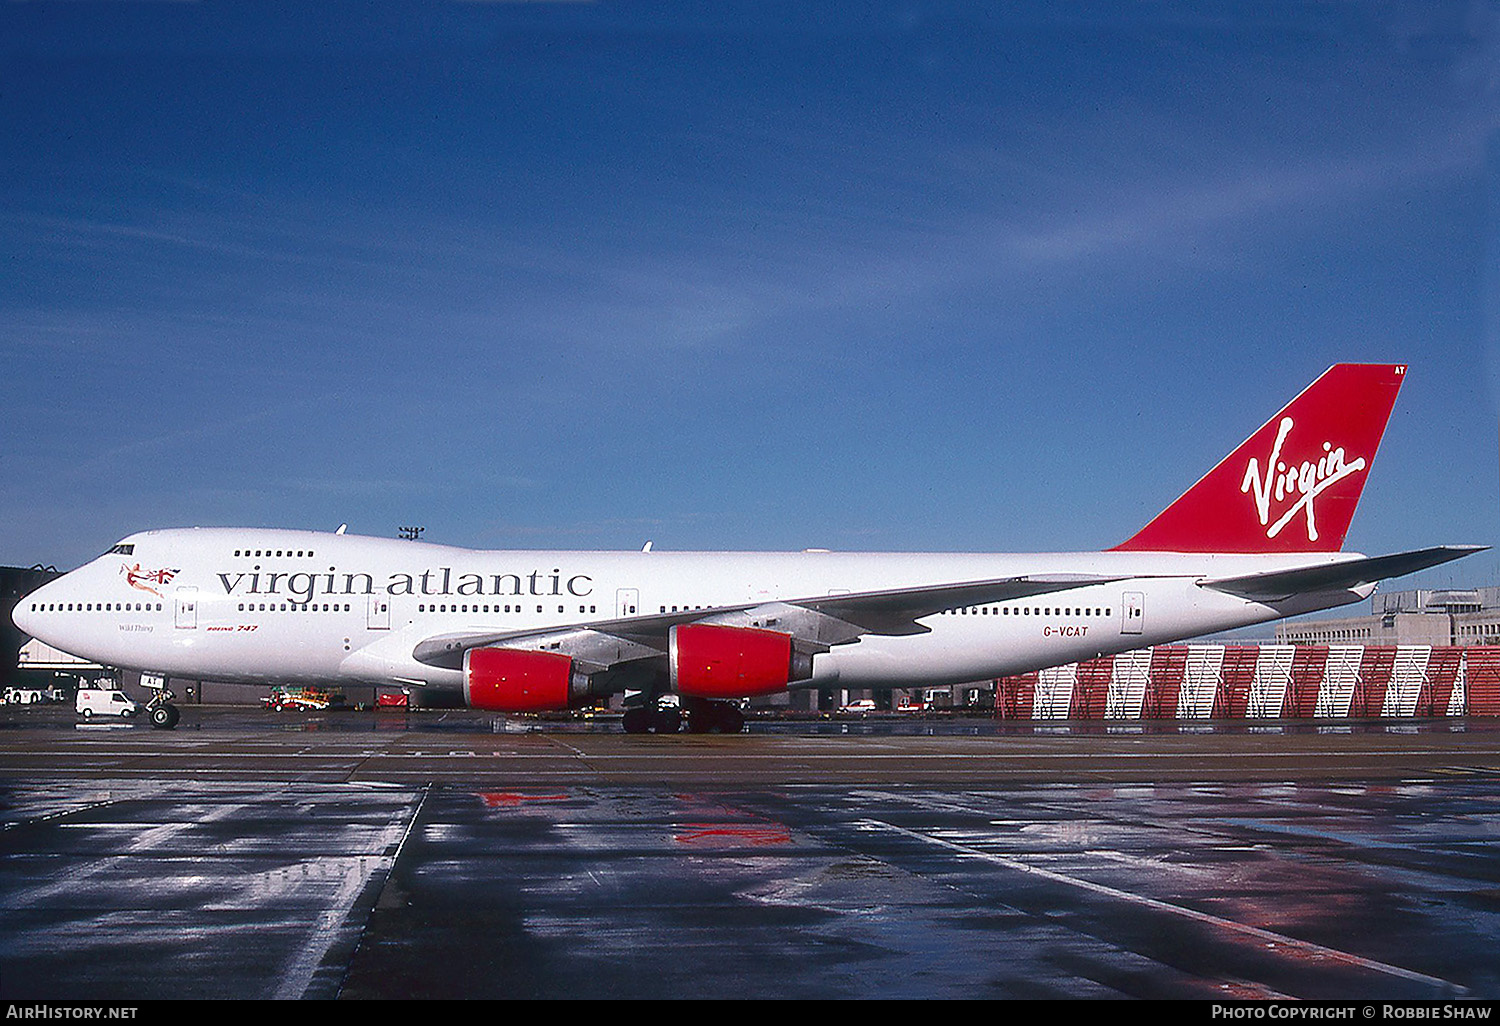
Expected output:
(1261, 681)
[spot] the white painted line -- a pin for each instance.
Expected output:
(146, 840)
(1316, 951)
(303, 965)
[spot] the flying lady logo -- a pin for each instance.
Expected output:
(1302, 482)
(143, 579)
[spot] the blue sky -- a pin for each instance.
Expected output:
(750, 276)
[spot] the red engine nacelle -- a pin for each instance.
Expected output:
(708, 660)
(516, 680)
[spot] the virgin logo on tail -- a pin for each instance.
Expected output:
(1350, 402)
(1308, 479)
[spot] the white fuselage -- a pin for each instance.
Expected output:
(258, 605)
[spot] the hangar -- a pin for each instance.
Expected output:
(15, 582)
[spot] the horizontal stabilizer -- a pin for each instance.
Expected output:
(1283, 584)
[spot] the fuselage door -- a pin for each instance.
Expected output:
(187, 607)
(1133, 613)
(627, 602)
(379, 613)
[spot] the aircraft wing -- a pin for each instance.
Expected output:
(819, 621)
(1283, 584)
(896, 611)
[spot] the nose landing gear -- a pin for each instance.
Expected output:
(160, 710)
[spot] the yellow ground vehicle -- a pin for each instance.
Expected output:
(302, 698)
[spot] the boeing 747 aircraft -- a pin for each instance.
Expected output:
(1256, 539)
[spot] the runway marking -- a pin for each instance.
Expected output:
(145, 841)
(59, 814)
(1296, 829)
(304, 964)
(1316, 951)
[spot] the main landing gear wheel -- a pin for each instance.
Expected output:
(643, 720)
(705, 717)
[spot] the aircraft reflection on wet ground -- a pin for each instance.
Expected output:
(243, 857)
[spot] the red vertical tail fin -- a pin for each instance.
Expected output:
(1293, 485)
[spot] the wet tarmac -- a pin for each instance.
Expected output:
(252, 855)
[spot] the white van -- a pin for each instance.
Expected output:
(105, 702)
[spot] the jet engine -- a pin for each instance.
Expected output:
(517, 680)
(707, 660)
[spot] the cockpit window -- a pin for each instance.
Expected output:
(123, 549)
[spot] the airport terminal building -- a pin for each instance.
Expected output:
(1424, 617)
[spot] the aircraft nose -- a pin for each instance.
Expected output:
(24, 615)
(19, 617)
